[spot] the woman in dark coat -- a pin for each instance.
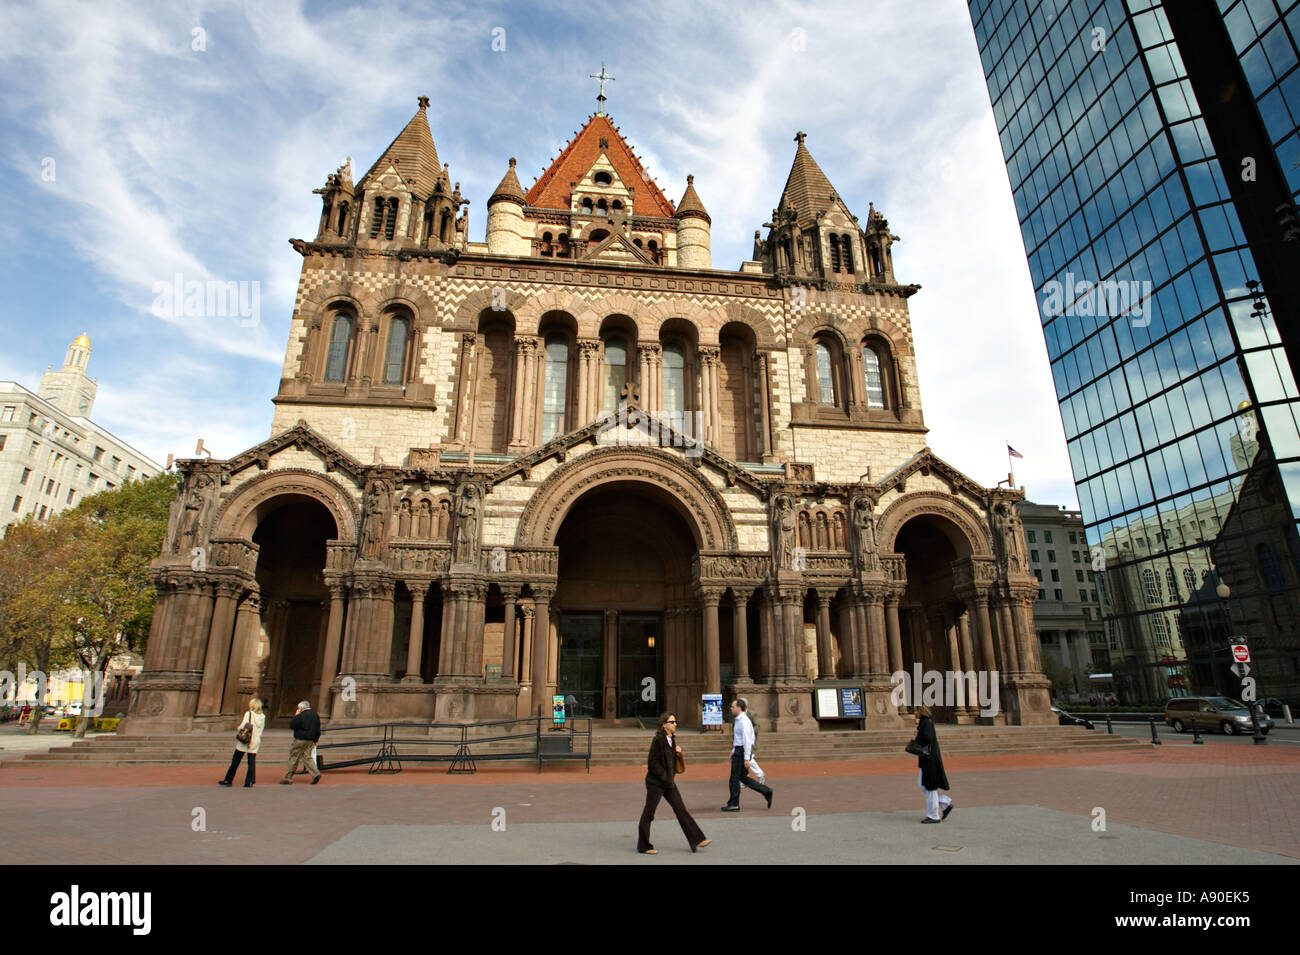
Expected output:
(661, 767)
(932, 777)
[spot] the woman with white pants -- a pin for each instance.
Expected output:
(932, 778)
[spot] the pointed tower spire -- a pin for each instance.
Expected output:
(412, 154)
(807, 190)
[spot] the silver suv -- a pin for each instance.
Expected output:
(1211, 713)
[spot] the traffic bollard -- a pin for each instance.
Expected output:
(1110, 730)
(1155, 740)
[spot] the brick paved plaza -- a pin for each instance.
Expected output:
(1220, 803)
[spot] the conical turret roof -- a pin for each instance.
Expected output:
(690, 204)
(509, 188)
(413, 155)
(807, 190)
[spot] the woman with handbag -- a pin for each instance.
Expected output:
(247, 740)
(932, 778)
(663, 764)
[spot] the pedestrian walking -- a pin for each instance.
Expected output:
(306, 731)
(662, 765)
(251, 725)
(932, 778)
(742, 751)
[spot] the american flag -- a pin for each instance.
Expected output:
(1014, 453)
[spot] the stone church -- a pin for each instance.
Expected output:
(578, 460)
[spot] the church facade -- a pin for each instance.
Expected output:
(578, 460)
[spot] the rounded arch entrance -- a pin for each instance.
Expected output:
(279, 640)
(935, 626)
(627, 639)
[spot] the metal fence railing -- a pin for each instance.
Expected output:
(463, 745)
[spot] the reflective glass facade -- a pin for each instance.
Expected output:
(1157, 290)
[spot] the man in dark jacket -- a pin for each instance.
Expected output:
(306, 731)
(932, 777)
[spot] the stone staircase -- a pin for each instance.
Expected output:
(612, 746)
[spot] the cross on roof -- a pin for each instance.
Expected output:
(602, 76)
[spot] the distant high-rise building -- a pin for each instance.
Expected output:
(51, 453)
(1153, 154)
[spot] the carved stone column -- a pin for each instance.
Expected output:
(588, 373)
(509, 633)
(740, 637)
(465, 389)
(415, 644)
(893, 633)
(528, 422)
(1010, 656)
(333, 635)
(448, 642)
(710, 597)
(541, 645)
(877, 630)
(247, 622)
(643, 375)
(825, 652)
(708, 394)
(526, 649)
(212, 689)
(984, 631)
(766, 443)
(517, 405)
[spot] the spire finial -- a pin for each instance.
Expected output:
(602, 76)
(689, 179)
(512, 162)
(424, 102)
(799, 137)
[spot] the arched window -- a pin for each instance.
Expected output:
(1171, 582)
(1270, 566)
(825, 373)
(564, 245)
(874, 377)
(586, 206)
(555, 389)
(546, 244)
(1151, 586)
(674, 368)
(615, 371)
(617, 205)
(395, 354)
(377, 218)
(343, 218)
(848, 253)
(336, 362)
(602, 207)
(835, 253)
(652, 247)
(385, 217)
(1189, 579)
(1161, 629)
(603, 178)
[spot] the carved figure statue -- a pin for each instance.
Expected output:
(193, 511)
(1007, 533)
(376, 522)
(783, 529)
(467, 525)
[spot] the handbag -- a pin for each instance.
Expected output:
(915, 750)
(245, 733)
(681, 762)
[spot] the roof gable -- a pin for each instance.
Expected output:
(551, 190)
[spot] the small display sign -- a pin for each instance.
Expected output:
(557, 709)
(828, 703)
(851, 702)
(1241, 653)
(712, 709)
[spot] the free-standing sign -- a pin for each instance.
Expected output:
(1241, 653)
(557, 709)
(712, 709)
(851, 701)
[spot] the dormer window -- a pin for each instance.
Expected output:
(603, 179)
(602, 207)
(586, 206)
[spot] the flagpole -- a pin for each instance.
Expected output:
(1011, 469)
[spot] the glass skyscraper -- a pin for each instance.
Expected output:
(1153, 154)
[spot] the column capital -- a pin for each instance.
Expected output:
(648, 349)
(418, 587)
(543, 593)
(508, 593)
(710, 595)
(589, 347)
(709, 354)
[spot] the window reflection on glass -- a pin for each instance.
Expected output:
(615, 371)
(336, 363)
(825, 379)
(555, 386)
(674, 374)
(395, 355)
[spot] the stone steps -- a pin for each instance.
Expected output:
(614, 747)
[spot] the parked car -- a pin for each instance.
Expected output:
(1068, 719)
(1211, 713)
(1273, 707)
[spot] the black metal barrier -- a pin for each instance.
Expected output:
(540, 740)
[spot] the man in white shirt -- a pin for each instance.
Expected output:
(742, 749)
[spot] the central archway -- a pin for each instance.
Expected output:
(628, 639)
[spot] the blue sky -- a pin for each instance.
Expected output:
(146, 140)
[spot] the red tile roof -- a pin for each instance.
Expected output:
(551, 191)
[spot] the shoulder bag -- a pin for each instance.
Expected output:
(245, 733)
